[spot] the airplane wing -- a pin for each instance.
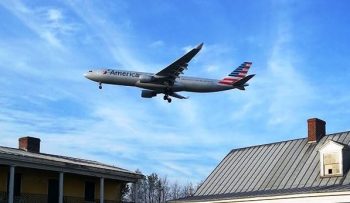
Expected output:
(171, 72)
(178, 96)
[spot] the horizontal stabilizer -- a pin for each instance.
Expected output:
(242, 82)
(241, 87)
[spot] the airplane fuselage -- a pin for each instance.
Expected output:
(168, 80)
(147, 81)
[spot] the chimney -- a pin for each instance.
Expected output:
(316, 129)
(29, 144)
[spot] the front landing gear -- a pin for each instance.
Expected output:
(100, 85)
(166, 97)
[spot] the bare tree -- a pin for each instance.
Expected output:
(175, 191)
(138, 190)
(153, 185)
(154, 189)
(187, 190)
(165, 189)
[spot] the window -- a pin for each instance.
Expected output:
(89, 191)
(331, 163)
(331, 159)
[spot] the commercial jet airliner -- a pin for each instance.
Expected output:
(168, 81)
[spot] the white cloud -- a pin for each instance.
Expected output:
(54, 15)
(290, 91)
(47, 23)
(108, 31)
(157, 44)
(211, 68)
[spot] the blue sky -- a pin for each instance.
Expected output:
(299, 51)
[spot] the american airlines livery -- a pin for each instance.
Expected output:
(168, 81)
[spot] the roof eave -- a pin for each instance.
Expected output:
(35, 163)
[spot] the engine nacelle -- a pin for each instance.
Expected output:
(146, 78)
(148, 94)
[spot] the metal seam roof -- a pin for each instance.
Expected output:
(291, 165)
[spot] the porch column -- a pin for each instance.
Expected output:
(60, 188)
(11, 184)
(102, 189)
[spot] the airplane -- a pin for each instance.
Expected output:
(168, 81)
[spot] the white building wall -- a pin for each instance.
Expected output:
(308, 198)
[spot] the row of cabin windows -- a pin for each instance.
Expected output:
(53, 188)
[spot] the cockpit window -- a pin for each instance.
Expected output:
(90, 71)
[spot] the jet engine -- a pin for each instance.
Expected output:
(148, 94)
(146, 78)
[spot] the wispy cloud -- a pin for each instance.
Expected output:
(157, 44)
(117, 42)
(47, 23)
(290, 91)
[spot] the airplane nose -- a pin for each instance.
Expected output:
(87, 75)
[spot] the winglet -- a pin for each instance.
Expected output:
(200, 46)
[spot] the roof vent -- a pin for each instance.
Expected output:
(29, 144)
(316, 129)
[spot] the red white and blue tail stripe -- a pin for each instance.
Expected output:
(237, 74)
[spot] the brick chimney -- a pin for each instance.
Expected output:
(29, 144)
(316, 129)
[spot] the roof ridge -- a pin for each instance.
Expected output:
(267, 144)
(278, 142)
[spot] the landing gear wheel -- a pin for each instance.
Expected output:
(165, 97)
(169, 100)
(100, 86)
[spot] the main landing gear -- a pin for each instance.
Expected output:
(100, 85)
(166, 97)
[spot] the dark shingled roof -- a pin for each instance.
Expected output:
(288, 167)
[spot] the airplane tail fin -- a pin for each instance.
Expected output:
(236, 75)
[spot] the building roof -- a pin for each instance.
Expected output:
(18, 157)
(288, 167)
